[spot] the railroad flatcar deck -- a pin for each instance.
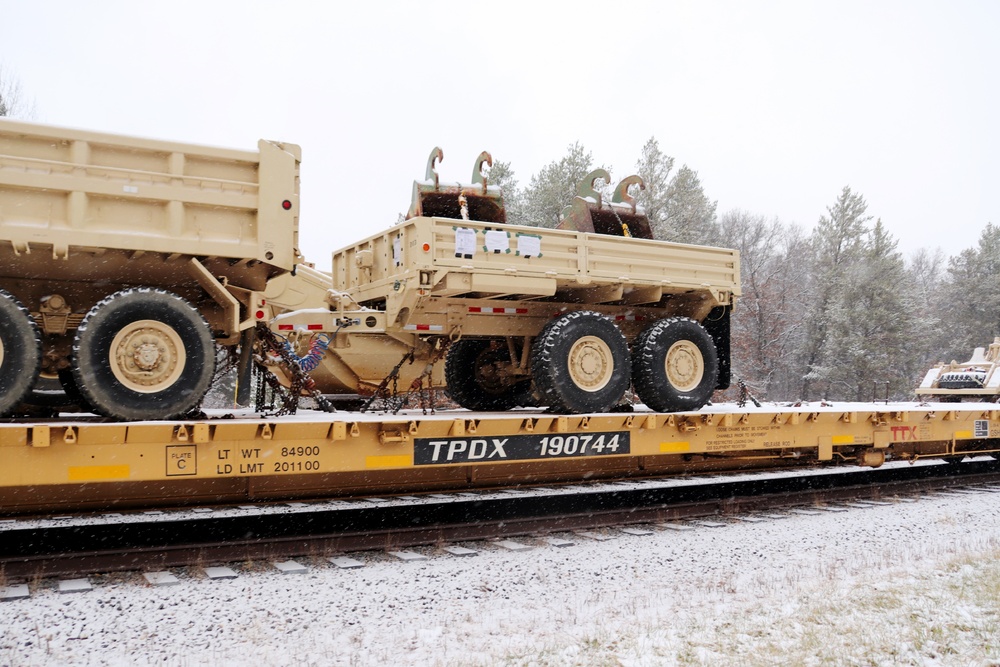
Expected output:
(80, 462)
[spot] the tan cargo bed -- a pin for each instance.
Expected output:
(449, 258)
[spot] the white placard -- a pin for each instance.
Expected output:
(529, 246)
(497, 241)
(465, 242)
(397, 250)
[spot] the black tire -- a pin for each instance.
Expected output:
(20, 352)
(675, 367)
(170, 364)
(580, 363)
(52, 396)
(48, 392)
(471, 373)
(72, 391)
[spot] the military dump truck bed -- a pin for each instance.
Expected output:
(124, 260)
(62, 189)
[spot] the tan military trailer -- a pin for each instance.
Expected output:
(977, 379)
(567, 318)
(123, 262)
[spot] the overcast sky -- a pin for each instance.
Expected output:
(776, 105)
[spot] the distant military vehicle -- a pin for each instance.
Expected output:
(976, 379)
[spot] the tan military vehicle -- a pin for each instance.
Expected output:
(567, 318)
(977, 379)
(123, 261)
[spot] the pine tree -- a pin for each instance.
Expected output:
(502, 174)
(869, 337)
(654, 168)
(690, 215)
(925, 271)
(971, 296)
(836, 247)
(554, 186)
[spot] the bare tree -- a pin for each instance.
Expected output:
(13, 102)
(767, 323)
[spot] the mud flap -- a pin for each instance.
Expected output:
(717, 326)
(243, 370)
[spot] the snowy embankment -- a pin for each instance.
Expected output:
(909, 583)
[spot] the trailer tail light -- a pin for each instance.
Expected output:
(287, 205)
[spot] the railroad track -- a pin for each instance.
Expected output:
(76, 545)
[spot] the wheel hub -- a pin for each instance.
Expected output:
(491, 371)
(147, 356)
(685, 365)
(591, 364)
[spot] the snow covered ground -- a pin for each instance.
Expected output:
(910, 583)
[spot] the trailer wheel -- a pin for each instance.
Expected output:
(20, 352)
(674, 365)
(474, 374)
(580, 363)
(143, 353)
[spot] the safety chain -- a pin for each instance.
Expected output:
(394, 402)
(228, 363)
(300, 383)
(428, 401)
(226, 359)
(745, 394)
(263, 400)
(391, 400)
(625, 231)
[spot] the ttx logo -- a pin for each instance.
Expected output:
(903, 433)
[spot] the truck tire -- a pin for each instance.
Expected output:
(49, 392)
(674, 365)
(470, 371)
(20, 352)
(143, 353)
(580, 363)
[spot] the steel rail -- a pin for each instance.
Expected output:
(174, 542)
